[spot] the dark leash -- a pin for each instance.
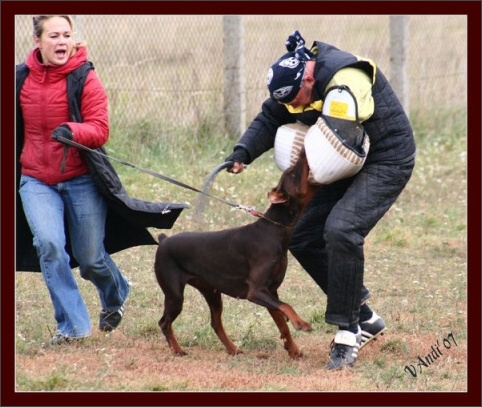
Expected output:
(207, 185)
(248, 209)
(201, 202)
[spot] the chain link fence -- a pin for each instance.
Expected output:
(168, 69)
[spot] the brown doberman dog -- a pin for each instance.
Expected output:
(247, 262)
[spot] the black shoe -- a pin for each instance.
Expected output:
(371, 329)
(344, 349)
(61, 339)
(109, 321)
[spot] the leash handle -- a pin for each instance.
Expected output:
(201, 203)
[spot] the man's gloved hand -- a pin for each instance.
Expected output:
(294, 41)
(64, 131)
(239, 156)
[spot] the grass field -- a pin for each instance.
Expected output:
(416, 268)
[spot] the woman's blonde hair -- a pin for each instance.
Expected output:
(38, 27)
(38, 23)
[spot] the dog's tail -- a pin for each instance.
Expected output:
(161, 237)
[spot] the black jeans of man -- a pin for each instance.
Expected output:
(328, 240)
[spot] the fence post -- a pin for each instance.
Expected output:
(79, 33)
(399, 59)
(234, 90)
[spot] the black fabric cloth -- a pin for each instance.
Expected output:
(127, 218)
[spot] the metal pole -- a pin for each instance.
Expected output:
(399, 59)
(234, 87)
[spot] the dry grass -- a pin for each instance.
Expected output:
(416, 266)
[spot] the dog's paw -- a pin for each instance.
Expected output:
(293, 351)
(306, 327)
(302, 325)
(296, 355)
(235, 351)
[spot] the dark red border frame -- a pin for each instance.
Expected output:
(8, 10)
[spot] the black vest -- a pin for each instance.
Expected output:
(127, 218)
(390, 132)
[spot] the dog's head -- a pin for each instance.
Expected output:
(293, 184)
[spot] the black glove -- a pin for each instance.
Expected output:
(239, 155)
(294, 41)
(64, 131)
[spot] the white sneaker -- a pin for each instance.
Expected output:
(344, 349)
(371, 329)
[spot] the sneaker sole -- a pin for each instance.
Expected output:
(366, 337)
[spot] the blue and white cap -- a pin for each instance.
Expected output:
(286, 74)
(285, 77)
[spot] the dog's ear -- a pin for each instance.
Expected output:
(277, 197)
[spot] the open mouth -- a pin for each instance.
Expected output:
(61, 53)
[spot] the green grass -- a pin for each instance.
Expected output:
(416, 268)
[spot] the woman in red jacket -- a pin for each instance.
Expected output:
(56, 189)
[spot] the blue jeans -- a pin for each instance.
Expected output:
(77, 205)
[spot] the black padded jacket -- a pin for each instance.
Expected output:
(390, 132)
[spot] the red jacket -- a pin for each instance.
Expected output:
(43, 100)
(127, 217)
